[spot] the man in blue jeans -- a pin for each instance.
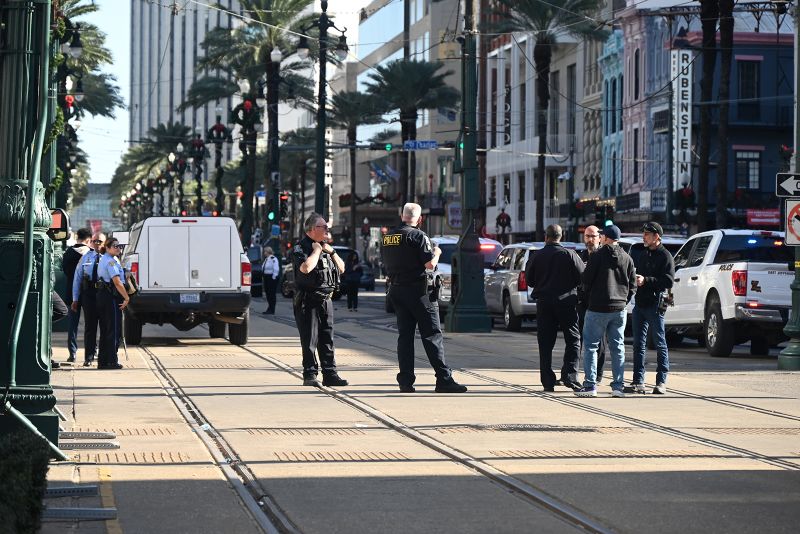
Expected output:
(609, 283)
(654, 277)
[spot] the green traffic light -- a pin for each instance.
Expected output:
(609, 222)
(388, 147)
(271, 216)
(461, 145)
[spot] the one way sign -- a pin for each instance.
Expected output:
(787, 184)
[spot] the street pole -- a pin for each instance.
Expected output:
(273, 170)
(319, 188)
(789, 358)
(468, 311)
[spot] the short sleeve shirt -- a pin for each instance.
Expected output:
(406, 250)
(109, 268)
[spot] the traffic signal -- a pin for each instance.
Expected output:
(284, 205)
(271, 215)
(388, 147)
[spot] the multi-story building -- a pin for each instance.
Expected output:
(95, 211)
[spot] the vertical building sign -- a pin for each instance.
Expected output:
(681, 74)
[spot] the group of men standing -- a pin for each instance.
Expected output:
(586, 298)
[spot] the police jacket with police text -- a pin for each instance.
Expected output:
(322, 278)
(406, 249)
(553, 271)
(658, 269)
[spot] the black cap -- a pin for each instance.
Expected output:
(653, 228)
(611, 231)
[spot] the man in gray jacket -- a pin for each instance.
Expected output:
(609, 283)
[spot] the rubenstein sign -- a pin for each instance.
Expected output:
(681, 74)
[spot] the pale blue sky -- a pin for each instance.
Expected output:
(105, 140)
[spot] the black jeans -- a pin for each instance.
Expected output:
(352, 296)
(413, 308)
(601, 350)
(90, 322)
(553, 315)
(314, 318)
(270, 288)
(110, 327)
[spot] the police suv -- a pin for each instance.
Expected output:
(190, 271)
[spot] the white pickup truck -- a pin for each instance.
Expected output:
(732, 286)
(190, 270)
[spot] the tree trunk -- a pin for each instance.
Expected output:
(351, 140)
(726, 45)
(542, 55)
(709, 14)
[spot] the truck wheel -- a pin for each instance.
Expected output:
(237, 333)
(216, 329)
(133, 329)
(718, 334)
(759, 346)
(512, 322)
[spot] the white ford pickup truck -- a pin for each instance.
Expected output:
(732, 286)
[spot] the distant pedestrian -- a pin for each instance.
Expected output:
(112, 298)
(609, 283)
(554, 272)
(591, 238)
(314, 261)
(351, 279)
(271, 272)
(69, 263)
(654, 277)
(84, 297)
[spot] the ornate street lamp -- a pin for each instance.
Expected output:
(218, 134)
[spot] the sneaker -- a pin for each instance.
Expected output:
(635, 388)
(660, 389)
(574, 386)
(618, 393)
(586, 392)
(407, 389)
(311, 381)
(333, 379)
(450, 387)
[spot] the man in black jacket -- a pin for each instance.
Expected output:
(554, 272)
(609, 283)
(655, 275)
(69, 263)
(591, 238)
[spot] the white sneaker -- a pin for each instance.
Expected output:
(617, 393)
(660, 389)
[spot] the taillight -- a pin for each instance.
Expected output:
(739, 281)
(247, 274)
(522, 283)
(135, 270)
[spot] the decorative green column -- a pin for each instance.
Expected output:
(26, 263)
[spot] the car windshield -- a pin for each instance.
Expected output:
(490, 252)
(757, 248)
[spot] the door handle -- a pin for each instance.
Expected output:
(694, 278)
(677, 280)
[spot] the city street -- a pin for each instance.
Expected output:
(219, 438)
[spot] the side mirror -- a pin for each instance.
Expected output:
(59, 228)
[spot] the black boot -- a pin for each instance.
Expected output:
(333, 379)
(449, 386)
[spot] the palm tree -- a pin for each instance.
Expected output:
(547, 21)
(409, 86)
(726, 46)
(709, 15)
(297, 163)
(244, 53)
(350, 110)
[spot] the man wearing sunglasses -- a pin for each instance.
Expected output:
(84, 296)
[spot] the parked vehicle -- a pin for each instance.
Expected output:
(490, 249)
(256, 256)
(732, 286)
(287, 277)
(190, 270)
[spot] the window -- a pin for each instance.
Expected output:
(766, 249)
(748, 170)
(700, 250)
(636, 71)
(493, 132)
(613, 106)
(492, 192)
(519, 263)
(748, 89)
(504, 259)
(682, 257)
(521, 197)
(572, 104)
(636, 155)
(555, 112)
(523, 110)
(506, 189)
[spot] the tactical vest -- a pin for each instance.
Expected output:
(400, 251)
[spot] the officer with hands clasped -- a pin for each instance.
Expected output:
(407, 254)
(84, 294)
(112, 298)
(317, 267)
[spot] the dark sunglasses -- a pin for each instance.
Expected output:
(115, 245)
(97, 242)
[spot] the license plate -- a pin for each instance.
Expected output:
(190, 298)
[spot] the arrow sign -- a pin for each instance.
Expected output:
(787, 184)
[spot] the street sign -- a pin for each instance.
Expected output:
(420, 145)
(276, 230)
(792, 223)
(261, 194)
(787, 184)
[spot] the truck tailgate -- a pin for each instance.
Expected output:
(168, 257)
(768, 283)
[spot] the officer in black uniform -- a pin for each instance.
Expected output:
(407, 254)
(317, 267)
(554, 272)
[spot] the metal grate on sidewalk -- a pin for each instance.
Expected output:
(340, 456)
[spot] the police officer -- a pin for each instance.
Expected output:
(407, 253)
(72, 258)
(111, 300)
(555, 274)
(84, 294)
(317, 267)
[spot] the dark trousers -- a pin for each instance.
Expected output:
(314, 318)
(74, 318)
(352, 296)
(601, 350)
(413, 309)
(270, 289)
(553, 315)
(110, 317)
(90, 322)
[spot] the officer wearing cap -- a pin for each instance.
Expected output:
(554, 272)
(317, 267)
(655, 273)
(407, 256)
(112, 298)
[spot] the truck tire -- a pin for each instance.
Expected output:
(759, 346)
(237, 333)
(718, 334)
(216, 329)
(133, 329)
(511, 321)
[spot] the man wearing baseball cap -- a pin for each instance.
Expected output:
(655, 273)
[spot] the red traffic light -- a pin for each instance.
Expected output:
(284, 196)
(215, 213)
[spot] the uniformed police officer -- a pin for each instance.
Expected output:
(407, 254)
(317, 267)
(554, 272)
(111, 300)
(84, 294)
